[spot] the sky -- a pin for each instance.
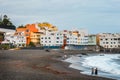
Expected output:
(97, 16)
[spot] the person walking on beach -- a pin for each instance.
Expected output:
(96, 71)
(92, 71)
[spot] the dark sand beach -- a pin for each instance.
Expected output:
(39, 65)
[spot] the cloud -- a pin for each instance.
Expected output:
(91, 14)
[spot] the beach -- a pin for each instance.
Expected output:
(39, 65)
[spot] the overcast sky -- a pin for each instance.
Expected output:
(94, 15)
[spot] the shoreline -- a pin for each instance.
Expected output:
(76, 63)
(85, 54)
(39, 64)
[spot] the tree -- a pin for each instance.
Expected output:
(21, 26)
(1, 20)
(6, 23)
(32, 44)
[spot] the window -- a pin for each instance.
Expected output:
(106, 42)
(111, 46)
(19, 44)
(104, 45)
(38, 35)
(12, 36)
(107, 46)
(118, 45)
(57, 37)
(115, 38)
(67, 38)
(106, 39)
(27, 34)
(57, 41)
(27, 30)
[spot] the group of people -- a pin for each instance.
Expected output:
(94, 71)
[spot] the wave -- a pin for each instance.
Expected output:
(107, 64)
(104, 63)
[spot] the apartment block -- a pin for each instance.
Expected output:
(109, 40)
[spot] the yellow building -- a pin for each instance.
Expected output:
(35, 37)
(47, 26)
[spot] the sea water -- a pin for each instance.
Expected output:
(108, 64)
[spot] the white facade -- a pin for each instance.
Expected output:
(52, 39)
(83, 37)
(108, 40)
(83, 40)
(72, 39)
(6, 30)
(92, 40)
(18, 39)
(57, 38)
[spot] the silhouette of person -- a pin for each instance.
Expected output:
(92, 71)
(96, 71)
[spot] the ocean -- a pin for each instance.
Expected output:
(108, 65)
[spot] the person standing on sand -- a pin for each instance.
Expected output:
(96, 71)
(92, 71)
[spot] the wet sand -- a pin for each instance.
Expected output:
(39, 65)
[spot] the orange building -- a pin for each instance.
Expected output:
(33, 31)
(28, 29)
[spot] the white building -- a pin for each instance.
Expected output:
(15, 39)
(72, 39)
(52, 39)
(109, 40)
(6, 30)
(83, 37)
(68, 38)
(92, 40)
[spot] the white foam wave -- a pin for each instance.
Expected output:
(73, 59)
(104, 63)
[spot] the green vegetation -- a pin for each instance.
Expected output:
(1, 37)
(4, 46)
(21, 26)
(6, 23)
(32, 44)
